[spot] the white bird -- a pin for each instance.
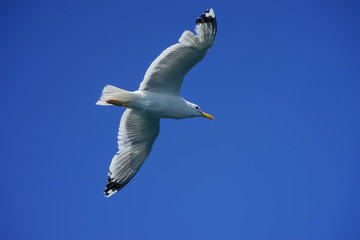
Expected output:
(158, 97)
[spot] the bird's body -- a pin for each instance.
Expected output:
(158, 97)
(161, 105)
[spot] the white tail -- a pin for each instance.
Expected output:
(114, 96)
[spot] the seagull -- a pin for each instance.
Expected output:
(158, 97)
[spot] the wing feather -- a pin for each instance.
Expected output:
(137, 134)
(166, 73)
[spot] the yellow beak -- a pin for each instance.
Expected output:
(207, 116)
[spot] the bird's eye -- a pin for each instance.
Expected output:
(197, 107)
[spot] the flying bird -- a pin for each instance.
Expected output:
(158, 97)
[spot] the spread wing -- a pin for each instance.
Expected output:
(137, 134)
(167, 72)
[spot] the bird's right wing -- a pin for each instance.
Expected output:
(137, 134)
(167, 71)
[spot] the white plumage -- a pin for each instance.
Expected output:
(158, 97)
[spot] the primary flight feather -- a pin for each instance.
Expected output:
(158, 97)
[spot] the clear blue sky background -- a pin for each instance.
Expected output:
(280, 160)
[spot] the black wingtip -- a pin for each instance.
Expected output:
(112, 187)
(205, 18)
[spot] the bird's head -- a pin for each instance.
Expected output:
(196, 110)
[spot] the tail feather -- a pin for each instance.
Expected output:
(114, 96)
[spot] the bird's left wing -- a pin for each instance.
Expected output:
(137, 134)
(168, 70)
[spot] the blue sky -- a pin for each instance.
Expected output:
(280, 160)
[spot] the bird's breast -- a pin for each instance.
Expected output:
(160, 105)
